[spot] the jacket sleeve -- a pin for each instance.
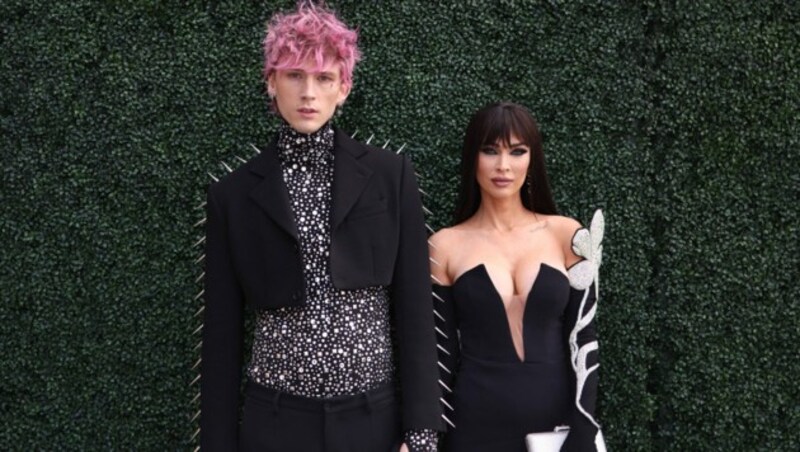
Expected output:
(411, 300)
(221, 352)
(448, 347)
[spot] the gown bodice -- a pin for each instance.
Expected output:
(485, 333)
(492, 399)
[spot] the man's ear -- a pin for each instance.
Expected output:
(271, 84)
(344, 91)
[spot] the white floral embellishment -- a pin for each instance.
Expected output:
(588, 244)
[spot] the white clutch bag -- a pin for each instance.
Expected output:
(552, 441)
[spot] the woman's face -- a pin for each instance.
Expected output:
(502, 168)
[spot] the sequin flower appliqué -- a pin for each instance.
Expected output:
(587, 243)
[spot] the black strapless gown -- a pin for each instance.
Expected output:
(497, 398)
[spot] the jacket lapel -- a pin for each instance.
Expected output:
(271, 193)
(349, 176)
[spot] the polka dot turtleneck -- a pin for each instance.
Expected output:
(339, 342)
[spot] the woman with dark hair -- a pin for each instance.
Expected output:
(515, 289)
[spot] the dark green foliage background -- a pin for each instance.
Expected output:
(678, 118)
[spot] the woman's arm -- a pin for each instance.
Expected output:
(582, 340)
(580, 333)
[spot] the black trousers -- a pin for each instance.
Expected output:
(278, 422)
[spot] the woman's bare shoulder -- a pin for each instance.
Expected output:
(564, 229)
(564, 226)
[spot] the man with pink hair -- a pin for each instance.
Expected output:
(323, 237)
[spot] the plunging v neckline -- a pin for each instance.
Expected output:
(499, 298)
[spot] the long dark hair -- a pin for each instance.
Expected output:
(494, 122)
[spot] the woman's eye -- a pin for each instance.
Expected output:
(519, 151)
(489, 151)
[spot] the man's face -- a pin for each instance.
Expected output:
(305, 98)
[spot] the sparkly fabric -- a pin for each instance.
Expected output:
(581, 275)
(421, 440)
(587, 243)
(339, 343)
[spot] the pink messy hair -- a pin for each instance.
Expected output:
(312, 31)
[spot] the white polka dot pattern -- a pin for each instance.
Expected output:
(339, 342)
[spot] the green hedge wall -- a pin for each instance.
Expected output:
(678, 118)
(725, 132)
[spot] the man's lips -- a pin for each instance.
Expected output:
(306, 111)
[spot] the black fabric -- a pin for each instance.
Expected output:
(253, 259)
(376, 222)
(308, 149)
(345, 333)
(497, 398)
(278, 422)
(582, 431)
(448, 344)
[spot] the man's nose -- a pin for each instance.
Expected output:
(309, 90)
